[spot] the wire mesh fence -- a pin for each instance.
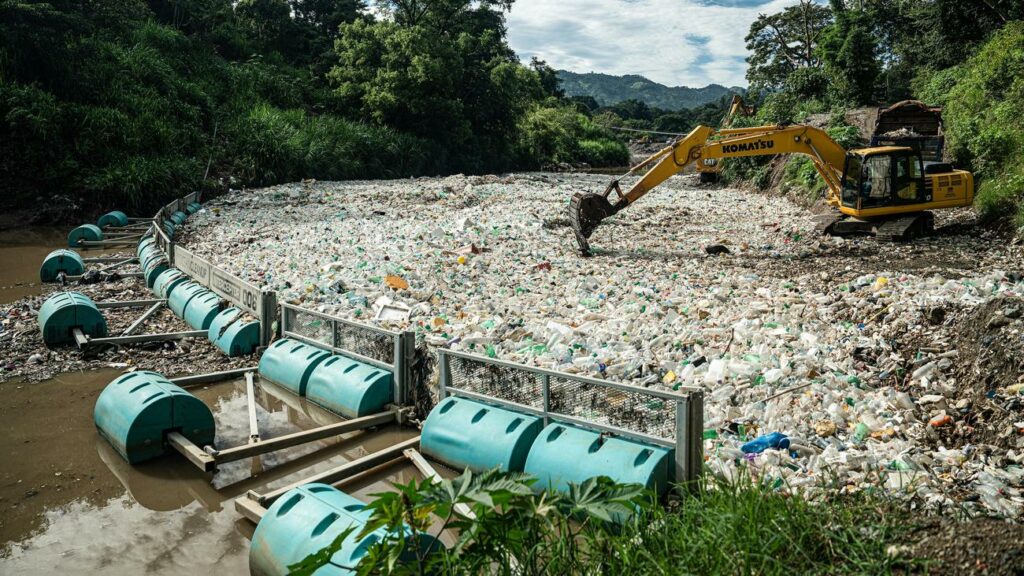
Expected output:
(344, 336)
(626, 409)
(649, 413)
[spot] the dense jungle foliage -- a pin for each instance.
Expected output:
(127, 103)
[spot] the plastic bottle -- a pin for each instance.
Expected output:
(775, 440)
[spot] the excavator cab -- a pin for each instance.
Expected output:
(876, 178)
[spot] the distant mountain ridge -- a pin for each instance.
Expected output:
(608, 90)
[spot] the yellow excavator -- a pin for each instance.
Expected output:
(886, 190)
(709, 169)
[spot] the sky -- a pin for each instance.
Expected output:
(675, 42)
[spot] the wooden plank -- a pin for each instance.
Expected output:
(129, 303)
(193, 453)
(345, 470)
(250, 509)
(148, 337)
(187, 381)
(250, 396)
(428, 470)
(302, 437)
(142, 319)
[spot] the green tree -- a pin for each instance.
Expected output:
(549, 82)
(848, 48)
(783, 42)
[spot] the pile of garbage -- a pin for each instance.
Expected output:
(27, 358)
(828, 364)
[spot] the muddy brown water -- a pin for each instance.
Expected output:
(69, 503)
(22, 251)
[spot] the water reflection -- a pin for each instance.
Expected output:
(173, 517)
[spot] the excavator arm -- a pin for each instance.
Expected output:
(588, 210)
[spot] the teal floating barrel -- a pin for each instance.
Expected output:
(201, 310)
(153, 269)
(89, 232)
(566, 454)
(115, 219)
(232, 335)
(181, 296)
(144, 244)
(290, 363)
(349, 387)
(65, 311)
(308, 519)
(167, 281)
(179, 218)
(169, 228)
(469, 434)
(150, 253)
(193, 207)
(136, 411)
(63, 260)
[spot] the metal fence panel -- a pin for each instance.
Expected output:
(239, 292)
(162, 241)
(197, 268)
(385, 349)
(665, 418)
(367, 342)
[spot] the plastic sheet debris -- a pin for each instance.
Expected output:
(775, 440)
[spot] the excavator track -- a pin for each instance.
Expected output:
(906, 227)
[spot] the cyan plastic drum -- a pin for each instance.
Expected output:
(65, 311)
(289, 363)
(115, 219)
(469, 434)
(58, 261)
(167, 281)
(144, 244)
(306, 520)
(232, 335)
(89, 232)
(149, 254)
(349, 387)
(153, 269)
(182, 295)
(179, 218)
(201, 310)
(136, 411)
(566, 454)
(193, 207)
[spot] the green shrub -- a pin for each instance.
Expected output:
(603, 153)
(983, 120)
(599, 527)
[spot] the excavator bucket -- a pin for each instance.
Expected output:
(585, 212)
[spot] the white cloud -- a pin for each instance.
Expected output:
(675, 42)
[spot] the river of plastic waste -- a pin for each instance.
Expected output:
(825, 341)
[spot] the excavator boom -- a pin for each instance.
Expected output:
(588, 210)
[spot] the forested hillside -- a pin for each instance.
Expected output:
(964, 55)
(608, 90)
(126, 104)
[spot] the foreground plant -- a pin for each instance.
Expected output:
(504, 526)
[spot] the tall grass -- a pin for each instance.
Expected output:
(599, 527)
